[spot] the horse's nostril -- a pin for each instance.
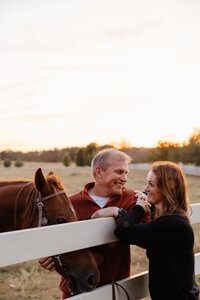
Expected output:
(61, 220)
(91, 281)
(81, 285)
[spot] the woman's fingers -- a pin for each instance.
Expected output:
(140, 195)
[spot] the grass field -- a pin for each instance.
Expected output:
(28, 280)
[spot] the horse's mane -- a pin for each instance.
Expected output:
(54, 181)
(4, 182)
(29, 188)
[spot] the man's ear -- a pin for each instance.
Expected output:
(98, 172)
(40, 181)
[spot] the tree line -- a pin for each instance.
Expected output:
(188, 153)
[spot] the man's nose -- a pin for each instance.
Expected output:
(123, 177)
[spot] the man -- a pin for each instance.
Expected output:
(110, 169)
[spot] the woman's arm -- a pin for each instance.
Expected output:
(130, 231)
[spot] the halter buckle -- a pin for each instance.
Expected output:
(44, 221)
(40, 203)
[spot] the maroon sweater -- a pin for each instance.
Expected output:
(85, 207)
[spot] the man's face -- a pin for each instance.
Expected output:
(114, 177)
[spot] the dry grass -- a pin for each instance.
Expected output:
(28, 280)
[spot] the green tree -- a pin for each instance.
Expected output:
(165, 151)
(66, 160)
(7, 163)
(90, 152)
(19, 164)
(195, 136)
(80, 157)
(190, 153)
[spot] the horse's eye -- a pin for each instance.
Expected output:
(61, 220)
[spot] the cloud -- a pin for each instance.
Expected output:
(123, 33)
(32, 117)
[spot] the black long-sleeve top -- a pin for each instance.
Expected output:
(169, 242)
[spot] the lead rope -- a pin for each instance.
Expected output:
(119, 285)
(113, 282)
(111, 276)
(38, 204)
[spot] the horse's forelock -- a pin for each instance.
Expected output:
(55, 180)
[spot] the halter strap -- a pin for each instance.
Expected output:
(38, 204)
(39, 201)
(52, 195)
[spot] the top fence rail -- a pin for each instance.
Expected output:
(29, 244)
(24, 245)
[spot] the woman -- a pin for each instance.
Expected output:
(168, 238)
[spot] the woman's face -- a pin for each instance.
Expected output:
(154, 195)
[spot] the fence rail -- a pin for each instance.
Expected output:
(34, 243)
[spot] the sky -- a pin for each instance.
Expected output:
(79, 71)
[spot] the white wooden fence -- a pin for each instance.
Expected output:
(29, 244)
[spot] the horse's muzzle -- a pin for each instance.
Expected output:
(81, 285)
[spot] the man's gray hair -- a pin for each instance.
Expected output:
(101, 159)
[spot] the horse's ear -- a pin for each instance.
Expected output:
(40, 181)
(50, 173)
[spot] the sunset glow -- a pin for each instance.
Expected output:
(80, 71)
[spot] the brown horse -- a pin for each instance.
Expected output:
(24, 204)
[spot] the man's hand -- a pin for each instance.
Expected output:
(47, 263)
(106, 212)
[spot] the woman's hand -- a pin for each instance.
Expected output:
(47, 263)
(106, 212)
(142, 201)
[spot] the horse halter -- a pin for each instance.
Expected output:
(43, 221)
(38, 204)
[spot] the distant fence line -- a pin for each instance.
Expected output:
(188, 169)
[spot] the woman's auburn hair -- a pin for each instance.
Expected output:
(172, 183)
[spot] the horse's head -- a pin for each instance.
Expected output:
(79, 267)
(76, 267)
(56, 205)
